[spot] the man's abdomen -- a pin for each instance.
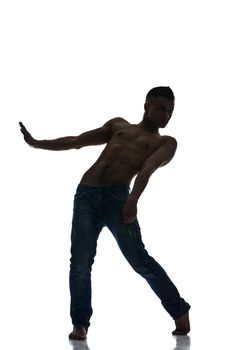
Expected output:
(103, 173)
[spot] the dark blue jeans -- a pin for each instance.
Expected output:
(94, 208)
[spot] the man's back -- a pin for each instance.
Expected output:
(127, 148)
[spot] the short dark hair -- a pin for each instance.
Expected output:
(160, 91)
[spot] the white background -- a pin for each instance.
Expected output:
(67, 67)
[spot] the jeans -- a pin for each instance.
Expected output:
(95, 208)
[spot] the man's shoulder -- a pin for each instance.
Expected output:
(169, 141)
(115, 120)
(168, 138)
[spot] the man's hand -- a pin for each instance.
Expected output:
(27, 136)
(129, 211)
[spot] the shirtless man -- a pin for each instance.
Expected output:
(103, 198)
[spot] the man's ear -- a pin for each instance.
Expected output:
(146, 105)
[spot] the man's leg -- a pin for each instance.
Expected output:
(85, 231)
(128, 237)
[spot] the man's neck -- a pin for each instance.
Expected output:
(147, 126)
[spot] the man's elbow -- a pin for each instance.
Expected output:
(171, 150)
(166, 161)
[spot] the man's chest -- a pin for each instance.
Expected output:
(129, 147)
(134, 138)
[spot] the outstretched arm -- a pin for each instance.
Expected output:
(90, 138)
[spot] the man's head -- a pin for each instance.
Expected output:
(159, 106)
(160, 91)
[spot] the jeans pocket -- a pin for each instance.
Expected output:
(79, 194)
(119, 196)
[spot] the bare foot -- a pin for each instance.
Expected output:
(182, 325)
(78, 333)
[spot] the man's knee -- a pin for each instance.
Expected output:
(80, 267)
(144, 266)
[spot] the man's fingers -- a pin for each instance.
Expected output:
(21, 125)
(24, 130)
(129, 220)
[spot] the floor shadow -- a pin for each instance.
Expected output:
(183, 342)
(79, 345)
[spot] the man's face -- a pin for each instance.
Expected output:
(159, 111)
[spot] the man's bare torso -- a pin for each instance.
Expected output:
(123, 156)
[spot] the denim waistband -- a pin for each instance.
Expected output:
(116, 187)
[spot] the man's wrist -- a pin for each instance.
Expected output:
(133, 198)
(35, 143)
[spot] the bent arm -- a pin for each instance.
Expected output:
(159, 158)
(90, 138)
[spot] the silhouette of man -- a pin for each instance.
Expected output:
(103, 198)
